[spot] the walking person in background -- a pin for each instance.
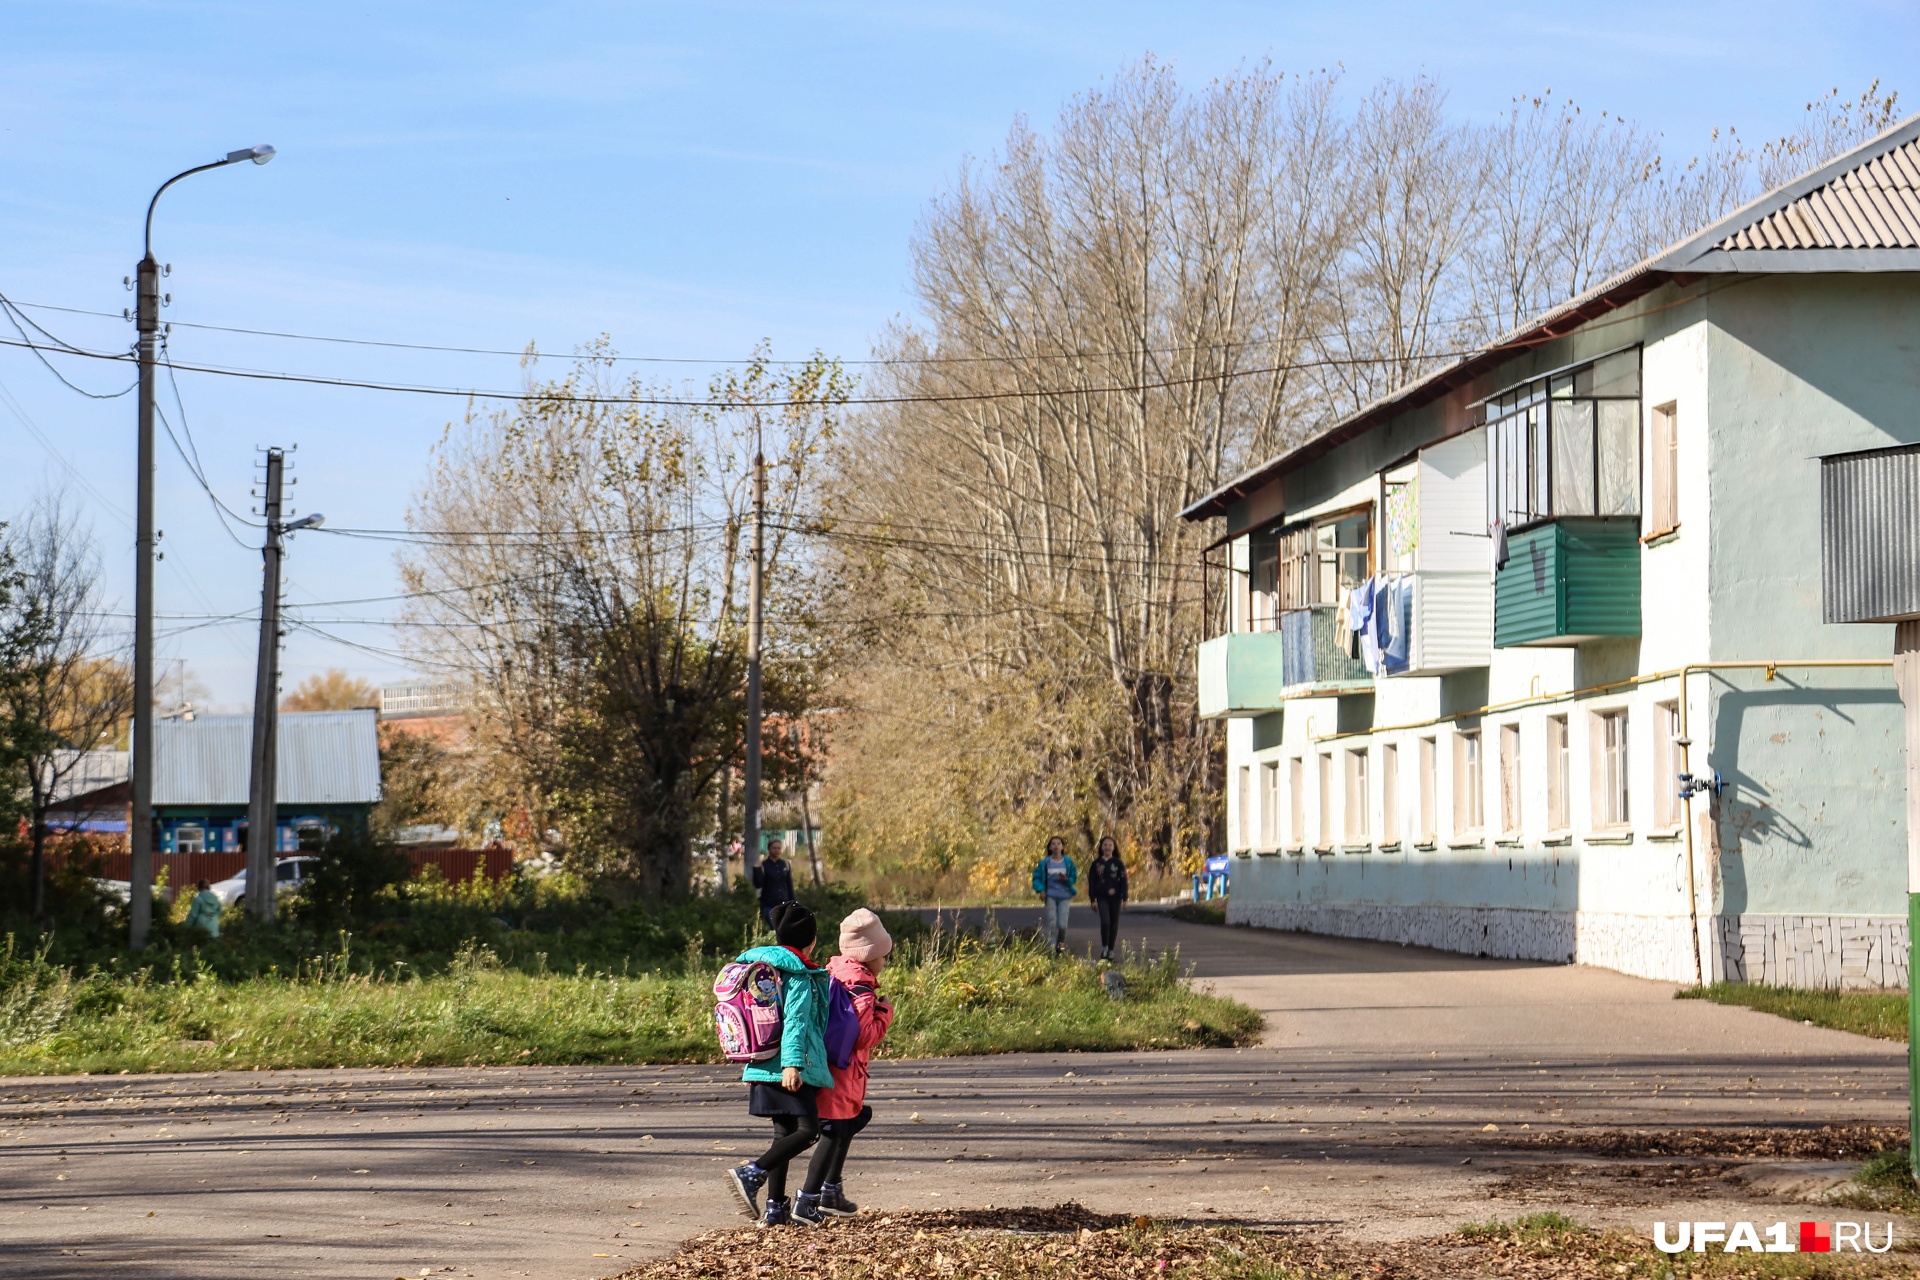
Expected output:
(1107, 887)
(774, 879)
(785, 1088)
(864, 948)
(1056, 879)
(204, 911)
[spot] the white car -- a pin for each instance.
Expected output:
(288, 874)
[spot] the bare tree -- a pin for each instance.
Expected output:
(1120, 313)
(72, 693)
(1417, 198)
(1560, 199)
(1117, 314)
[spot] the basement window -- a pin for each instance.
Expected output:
(1567, 444)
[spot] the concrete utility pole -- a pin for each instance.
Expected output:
(147, 324)
(262, 813)
(750, 853)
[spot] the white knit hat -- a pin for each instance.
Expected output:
(863, 937)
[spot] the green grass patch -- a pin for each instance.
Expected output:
(1885, 1182)
(955, 995)
(1533, 1226)
(1882, 1015)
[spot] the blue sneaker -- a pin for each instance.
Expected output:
(806, 1209)
(746, 1181)
(834, 1202)
(779, 1213)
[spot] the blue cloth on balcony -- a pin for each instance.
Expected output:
(1362, 616)
(1397, 646)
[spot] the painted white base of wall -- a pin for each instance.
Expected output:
(1851, 952)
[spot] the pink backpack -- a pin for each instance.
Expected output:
(746, 1011)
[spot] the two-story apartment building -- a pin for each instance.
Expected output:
(1482, 627)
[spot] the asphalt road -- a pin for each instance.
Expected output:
(1364, 1110)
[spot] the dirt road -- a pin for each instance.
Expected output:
(1365, 1110)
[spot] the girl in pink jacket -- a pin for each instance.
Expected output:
(864, 948)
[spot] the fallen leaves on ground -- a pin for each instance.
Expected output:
(1772, 1142)
(1070, 1241)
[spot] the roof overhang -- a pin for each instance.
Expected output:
(1890, 210)
(1557, 323)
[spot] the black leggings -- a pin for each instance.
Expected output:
(1109, 922)
(794, 1135)
(830, 1157)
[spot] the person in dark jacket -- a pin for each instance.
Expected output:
(1107, 886)
(774, 879)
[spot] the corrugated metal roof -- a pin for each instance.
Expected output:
(80, 772)
(324, 757)
(1870, 535)
(1873, 206)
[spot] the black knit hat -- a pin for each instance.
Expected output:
(793, 925)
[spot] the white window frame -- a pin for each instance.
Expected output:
(1511, 808)
(1325, 840)
(1611, 764)
(1296, 802)
(1559, 775)
(1469, 785)
(1244, 827)
(1389, 793)
(1663, 470)
(190, 837)
(1357, 802)
(1270, 804)
(1429, 766)
(1667, 809)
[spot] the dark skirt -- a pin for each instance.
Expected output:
(772, 1100)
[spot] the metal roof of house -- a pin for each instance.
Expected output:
(1858, 212)
(79, 773)
(1874, 206)
(324, 757)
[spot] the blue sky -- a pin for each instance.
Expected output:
(688, 179)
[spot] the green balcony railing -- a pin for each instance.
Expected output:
(1568, 580)
(1240, 674)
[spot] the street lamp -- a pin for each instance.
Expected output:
(147, 321)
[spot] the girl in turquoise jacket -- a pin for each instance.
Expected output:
(1056, 879)
(783, 1088)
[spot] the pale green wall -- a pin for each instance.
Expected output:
(1800, 366)
(1812, 819)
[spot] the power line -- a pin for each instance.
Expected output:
(15, 316)
(677, 402)
(195, 466)
(886, 362)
